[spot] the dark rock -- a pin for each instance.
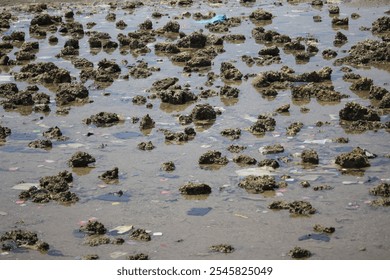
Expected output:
(235, 148)
(294, 128)
(273, 149)
(244, 160)
(146, 122)
(103, 119)
(140, 256)
(213, 157)
(260, 14)
(40, 144)
(140, 235)
(222, 248)
(230, 72)
(110, 175)
(269, 162)
(191, 188)
(69, 93)
(354, 111)
(357, 158)
(81, 159)
(381, 25)
(146, 146)
(93, 228)
(299, 253)
(382, 189)
(168, 166)
(258, 184)
(203, 112)
(262, 125)
(4, 132)
(54, 133)
(232, 133)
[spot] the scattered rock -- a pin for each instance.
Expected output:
(203, 112)
(305, 184)
(140, 256)
(357, 158)
(323, 188)
(222, 248)
(93, 228)
(232, 133)
(381, 202)
(213, 157)
(110, 175)
(260, 14)
(322, 229)
(381, 25)
(191, 188)
(272, 149)
(294, 128)
(269, 162)
(235, 148)
(262, 125)
(4, 132)
(230, 72)
(103, 119)
(382, 189)
(354, 111)
(140, 235)
(301, 208)
(146, 123)
(299, 253)
(40, 144)
(81, 159)
(258, 184)
(146, 146)
(244, 160)
(18, 238)
(309, 156)
(168, 166)
(54, 133)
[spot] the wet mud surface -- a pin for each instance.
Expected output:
(194, 130)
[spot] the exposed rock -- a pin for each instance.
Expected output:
(222, 248)
(244, 160)
(168, 166)
(258, 184)
(43, 72)
(93, 228)
(140, 235)
(213, 157)
(140, 256)
(262, 125)
(294, 128)
(382, 189)
(81, 159)
(146, 122)
(230, 72)
(269, 162)
(322, 229)
(203, 112)
(357, 158)
(232, 133)
(309, 156)
(299, 253)
(103, 119)
(273, 149)
(260, 14)
(146, 146)
(381, 25)
(110, 175)
(40, 144)
(354, 111)
(191, 188)
(4, 132)
(235, 148)
(54, 133)
(229, 92)
(68, 93)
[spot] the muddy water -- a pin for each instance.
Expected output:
(236, 217)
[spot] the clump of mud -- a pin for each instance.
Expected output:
(299, 253)
(192, 188)
(203, 113)
(222, 248)
(4, 133)
(269, 162)
(14, 239)
(54, 133)
(310, 156)
(323, 188)
(93, 228)
(168, 166)
(140, 256)
(140, 235)
(40, 144)
(146, 123)
(95, 232)
(43, 72)
(244, 160)
(357, 158)
(262, 125)
(258, 184)
(295, 207)
(110, 175)
(103, 119)
(232, 133)
(52, 188)
(381, 202)
(81, 159)
(382, 189)
(294, 128)
(272, 149)
(213, 157)
(323, 229)
(179, 137)
(146, 146)
(235, 148)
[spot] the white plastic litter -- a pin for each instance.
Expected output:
(24, 186)
(256, 171)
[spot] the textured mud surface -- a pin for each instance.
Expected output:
(218, 129)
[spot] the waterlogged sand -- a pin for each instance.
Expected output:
(270, 164)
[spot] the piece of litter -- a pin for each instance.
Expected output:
(49, 160)
(117, 254)
(115, 203)
(102, 186)
(264, 212)
(349, 182)
(7, 78)
(13, 168)
(256, 171)
(2, 213)
(157, 234)
(241, 216)
(4, 253)
(121, 229)
(24, 186)
(309, 177)
(20, 201)
(315, 236)
(290, 180)
(250, 118)
(321, 141)
(205, 146)
(165, 192)
(198, 211)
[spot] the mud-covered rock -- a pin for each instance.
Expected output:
(168, 166)
(40, 144)
(43, 72)
(381, 25)
(110, 175)
(385, 102)
(140, 235)
(235, 148)
(203, 112)
(164, 47)
(188, 134)
(18, 238)
(260, 14)
(213, 157)
(329, 54)
(192, 188)
(146, 146)
(177, 96)
(362, 84)
(301, 208)
(230, 72)
(258, 184)
(272, 149)
(195, 40)
(299, 253)
(354, 111)
(146, 122)
(294, 128)
(310, 156)
(68, 93)
(321, 92)
(45, 19)
(283, 109)
(81, 159)
(170, 26)
(323, 229)
(323, 188)
(139, 257)
(232, 133)
(146, 25)
(4, 132)
(381, 202)
(357, 158)
(340, 21)
(103, 119)
(382, 189)
(340, 39)
(334, 10)
(367, 52)
(93, 228)
(54, 133)
(164, 84)
(375, 92)
(244, 160)
(269, 162)
(8, 89)
(222, 248)
(229, 92)
(262, 125)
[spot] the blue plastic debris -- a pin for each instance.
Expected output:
(198, 211)
(215, 19)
